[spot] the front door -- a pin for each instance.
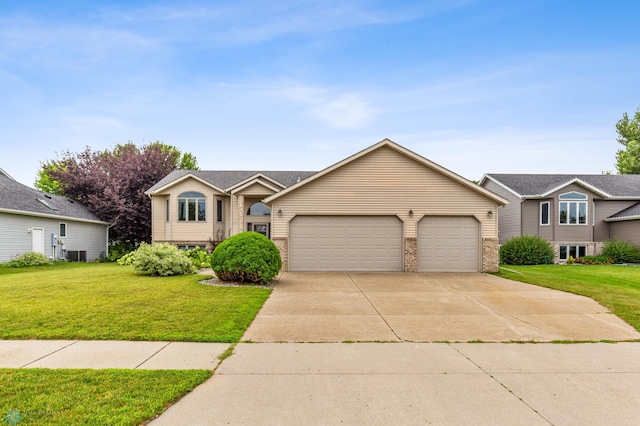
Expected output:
(260, 228)
(37, 240)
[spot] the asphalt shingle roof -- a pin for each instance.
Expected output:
(225, 179)
(629, 212)
(619, 186)
(16, 196)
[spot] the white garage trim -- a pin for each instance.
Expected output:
(448, 244)
(345, 243)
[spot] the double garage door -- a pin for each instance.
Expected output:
(375, 243)
(345, 243)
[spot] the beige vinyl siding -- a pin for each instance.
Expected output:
(628, 230)
(184, 231)
(362, 187)
(510, 215)
(256, 190)
(603, 209)
(160, 228)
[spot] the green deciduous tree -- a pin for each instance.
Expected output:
(628, 159)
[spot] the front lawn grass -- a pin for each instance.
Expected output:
(91, 397)
(615, 286)
(112, 302)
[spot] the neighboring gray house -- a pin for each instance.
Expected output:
(577, 213)
(34, 221)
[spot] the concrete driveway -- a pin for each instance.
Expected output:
(427, 307)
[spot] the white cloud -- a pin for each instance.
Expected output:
(341, 110)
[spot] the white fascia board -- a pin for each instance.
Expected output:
(187, 176)
(52, 216)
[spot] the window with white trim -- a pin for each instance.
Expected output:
(573, 251)
(571, 211)
(544, 213)
(62, 230)
(192, 207)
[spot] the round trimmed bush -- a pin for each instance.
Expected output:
(246, 257)
(527, 250)
(159, 259)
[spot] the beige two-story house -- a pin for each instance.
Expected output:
(576, 213)
(385, 208)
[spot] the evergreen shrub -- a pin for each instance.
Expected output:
(248, 257)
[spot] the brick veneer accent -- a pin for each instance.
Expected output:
(490, 255)
(282, 245)
(410, 254)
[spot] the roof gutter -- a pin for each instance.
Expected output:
(52, 216)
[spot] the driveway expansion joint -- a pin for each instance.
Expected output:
(374, 307)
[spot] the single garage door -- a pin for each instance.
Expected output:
(345, 243)
(448, 244)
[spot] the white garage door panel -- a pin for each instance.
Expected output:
(345, 243)
(448, 244)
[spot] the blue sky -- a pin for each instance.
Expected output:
(476, 86)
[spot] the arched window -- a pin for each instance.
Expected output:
(259, 209)
(192, 207)
(573, 212)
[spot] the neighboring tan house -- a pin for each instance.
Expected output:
(382, 209)
(577, 213)
(34, 221)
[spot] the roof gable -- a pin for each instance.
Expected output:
(175, 178)
(224, 180)
(256, 187)
(259, 179)
(387, 143)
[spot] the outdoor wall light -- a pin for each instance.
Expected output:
(410, 213)
(279, 212)
(490, 213)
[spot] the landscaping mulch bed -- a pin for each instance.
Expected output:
(213, 281)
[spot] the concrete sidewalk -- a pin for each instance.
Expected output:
(418, 383)
(110, 354)
(374, 383)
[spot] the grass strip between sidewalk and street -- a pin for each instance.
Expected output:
(97, 397)
(616, 287)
